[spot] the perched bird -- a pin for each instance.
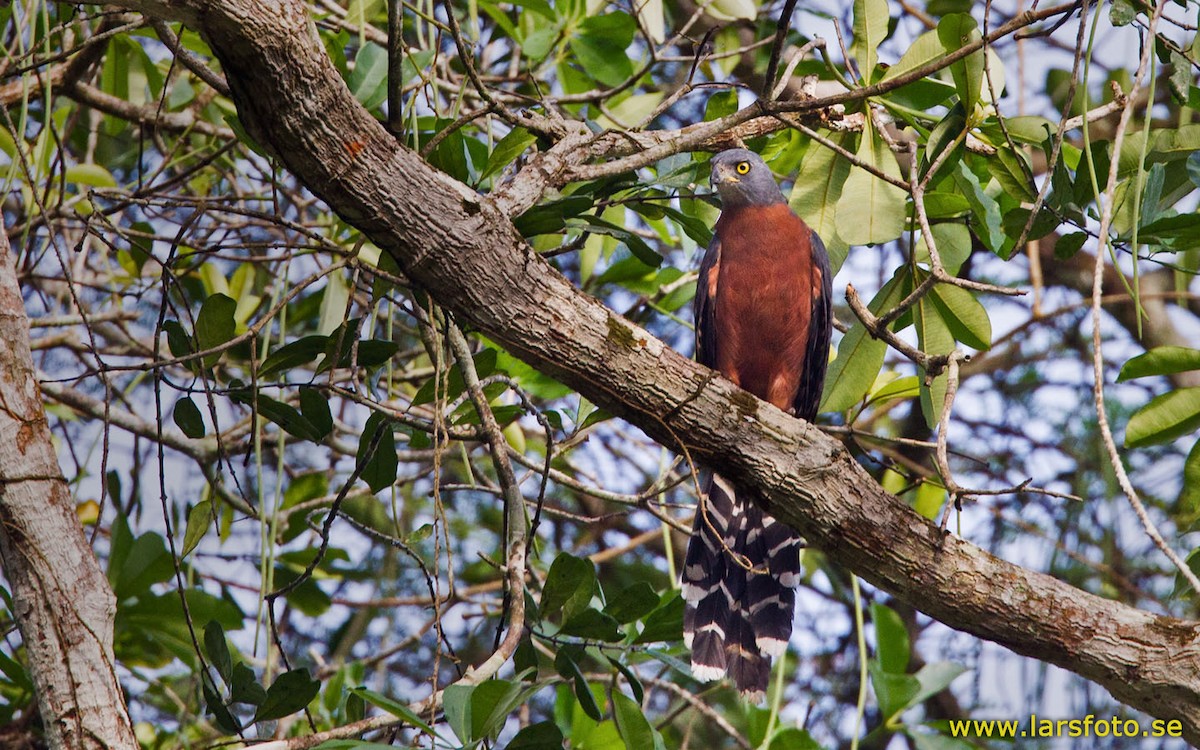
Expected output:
(763, 321)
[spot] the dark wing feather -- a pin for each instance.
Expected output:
(705, 306)
(816, 353)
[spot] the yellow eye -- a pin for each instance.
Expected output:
(743, 167)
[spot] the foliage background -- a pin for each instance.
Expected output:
(225, 360)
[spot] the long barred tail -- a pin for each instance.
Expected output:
(739, 582)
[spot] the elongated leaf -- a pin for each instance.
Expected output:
(986, 219)
(299, 352)
(512, 145)
(567, 666)
(593, 625)
(934, 678)
(924, 50)
(199, 518)
(188, 418)
(291, 421)
(815, 198)
(664, 623)
(544, 735)
(957, 30)
(314, 406)
(215, 325)
(290, 692)
(934, 337)
(871, 19)
(632, 723)
(891, 638)
(378, 467)
(1169, 416)
(571, 579)
(394, 708)
(600, 47)
(1161, 360)
(859, 355)
(963, 315)
(869, 210)
(633, 602)
(218, 650)
(1189, 493)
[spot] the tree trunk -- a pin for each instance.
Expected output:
(463, 249)
(61, 599)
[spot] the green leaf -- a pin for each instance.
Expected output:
(925, 49)
(299, 352)
(377, 468)
(198, 520)
(793, 738)
(934, 678)
(368, 79)
(92, 175)
(860, 357)
(218, 650)
(1189, 493)
(632, 603)
(600, 47)
(566, 665)
(953, 241)
(1030, 128)
(544, 735)
(220, 712)
(871, 19)
(721, 104)
(963, 315)
(1165, 418)
(513, 144)
(288, 419)
(1069, 244)
(631, 723)
(893, 691)
(934, 337)
(570, 580)
(1161, 360)
(664, 623)
(188, 418)
(456, 702)
(955, 31)
(244, 687)
(639, 692)
(815, 198)
(147, 562)
(215, 325)
(985, 211)
(891, 638)
(1121, 13)
(592, 624)
(871, 211)
(289, 693)
(399, 710)
(315, 408)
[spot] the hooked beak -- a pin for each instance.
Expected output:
(722, 174)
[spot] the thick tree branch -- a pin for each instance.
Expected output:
(464, 251)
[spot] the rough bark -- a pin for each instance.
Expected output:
(461, 248)
(61, 599)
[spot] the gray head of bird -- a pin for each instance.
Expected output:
(744, 179)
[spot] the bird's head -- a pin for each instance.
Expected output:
(744, 179)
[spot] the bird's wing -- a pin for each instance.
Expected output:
(816, 353)
(705, 306)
